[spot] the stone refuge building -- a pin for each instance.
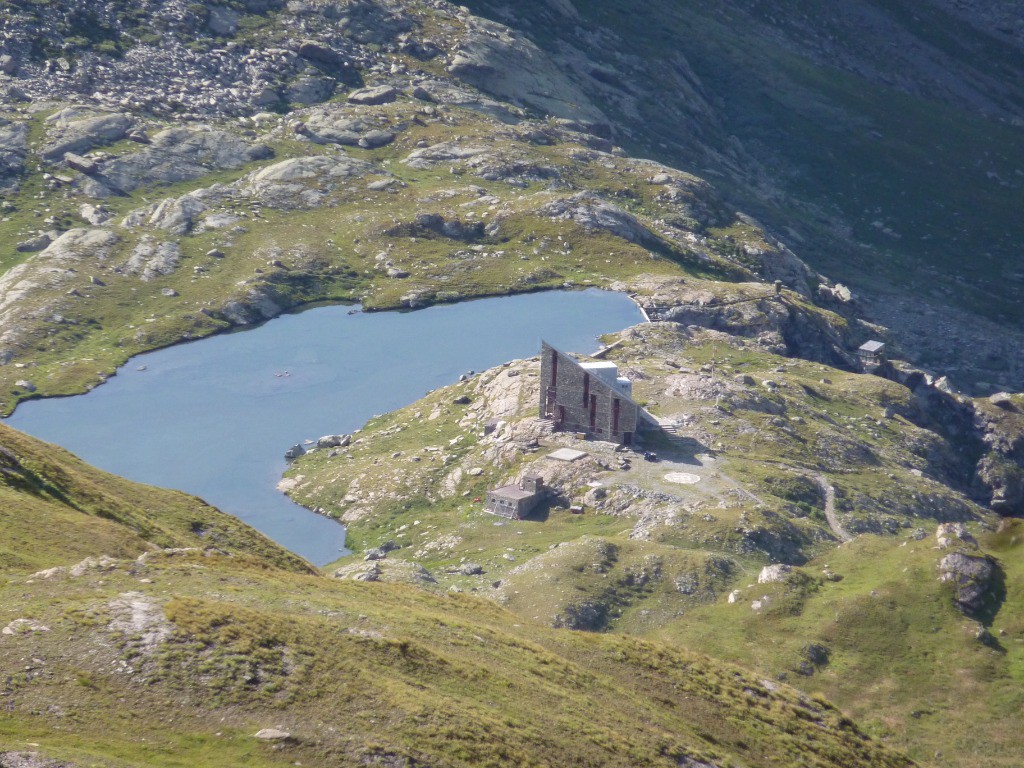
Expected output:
(589, 398)
(518, 500)
(871, 353)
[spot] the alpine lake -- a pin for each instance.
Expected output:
(214, 417)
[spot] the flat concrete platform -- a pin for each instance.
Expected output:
(566, 454)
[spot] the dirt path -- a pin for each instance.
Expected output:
(829, 492)
(830, 505)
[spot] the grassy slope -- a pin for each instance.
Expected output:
(55, 510)
(179, 657)
(902, 658)
(370, 674)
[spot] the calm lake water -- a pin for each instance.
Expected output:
(214, 417)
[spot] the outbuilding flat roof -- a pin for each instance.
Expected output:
(513, 492)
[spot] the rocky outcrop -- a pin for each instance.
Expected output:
(255, 307)
(179, 154)
(589, 615)
(345, 128)
(999, 421)
(774, 573)
(27, 290)
(151, 259)
(967, 568)
(391, 571)
(593, 213)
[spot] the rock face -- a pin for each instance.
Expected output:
(25, 290)
(493, 58)
(594, 214)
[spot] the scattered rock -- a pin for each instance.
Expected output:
(272, 734)
(954, 534)
(23, 626)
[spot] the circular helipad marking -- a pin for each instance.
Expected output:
(682, 478)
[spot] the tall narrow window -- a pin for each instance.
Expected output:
(615, 416)
(586, 388)
(554, 368)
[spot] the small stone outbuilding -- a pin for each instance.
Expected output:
(518, 500)
(871, 353)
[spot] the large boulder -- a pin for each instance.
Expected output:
(323, 167)
(336, 128)
(437, 154)
(381, 94)
(310, 89)
(971, 576)
(72, 130)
